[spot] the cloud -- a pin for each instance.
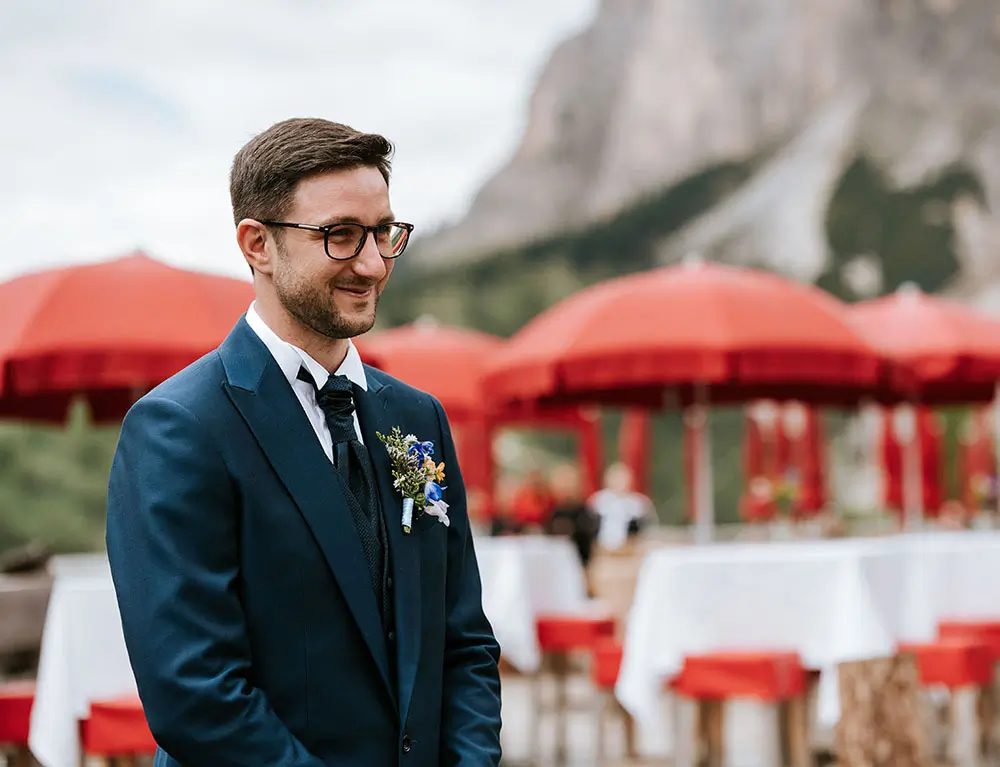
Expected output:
(126, 96)
(121, 119)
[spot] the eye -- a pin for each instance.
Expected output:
(343, 233)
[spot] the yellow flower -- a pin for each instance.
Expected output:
(433, 472)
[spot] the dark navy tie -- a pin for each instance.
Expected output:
(353, 463)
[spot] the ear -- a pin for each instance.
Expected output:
(252, 238)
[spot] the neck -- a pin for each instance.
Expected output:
(328, 352)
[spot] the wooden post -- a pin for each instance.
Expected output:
(881, 723)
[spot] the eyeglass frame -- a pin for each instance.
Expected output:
(361, 243)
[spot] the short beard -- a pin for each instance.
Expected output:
(315, 308)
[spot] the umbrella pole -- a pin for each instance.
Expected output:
(995, 482)
(704, 497)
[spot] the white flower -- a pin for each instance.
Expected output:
(438, 509)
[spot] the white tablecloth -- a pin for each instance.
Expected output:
(524, 576)
(949, 576)
(83, 658)
(831, 601)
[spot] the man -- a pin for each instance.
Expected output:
(622, 511)
(274, 608)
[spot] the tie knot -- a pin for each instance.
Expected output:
(336, 399)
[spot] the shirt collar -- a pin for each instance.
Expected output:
(290, 358)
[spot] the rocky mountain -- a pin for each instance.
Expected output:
(807, 93)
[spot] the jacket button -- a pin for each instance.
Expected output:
(407, 744)
(391, 636)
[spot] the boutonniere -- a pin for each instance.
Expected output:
(416, 476)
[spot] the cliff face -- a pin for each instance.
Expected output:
(559, 158)
(656, 90)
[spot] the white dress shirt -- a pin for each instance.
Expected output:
(290, 358)
(616, 511)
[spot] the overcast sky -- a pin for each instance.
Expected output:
(120, 119)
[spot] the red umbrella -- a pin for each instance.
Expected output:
(445, 361)
(942, 352)
(103, 407)
(118, 326)
(739, 333)
(707, 332)
(449, 363)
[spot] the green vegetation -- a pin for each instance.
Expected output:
(910, 232)
(52, 482)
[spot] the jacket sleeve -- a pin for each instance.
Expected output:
(172, 539)
(470, 721)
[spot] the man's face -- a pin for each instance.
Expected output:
(619, 479)
(336, 299)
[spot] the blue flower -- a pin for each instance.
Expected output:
(433, 492)
(421, 451)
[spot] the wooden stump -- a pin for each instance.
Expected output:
(881, 723)
(612, 578)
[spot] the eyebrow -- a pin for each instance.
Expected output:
(387, 218)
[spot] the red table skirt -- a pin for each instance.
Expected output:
(979, 631)
(563, 633)
(117, 728)
(953, 662)
(769, 676)
(607, 663)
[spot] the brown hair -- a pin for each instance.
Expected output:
(268, 168)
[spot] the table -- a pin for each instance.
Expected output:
(831, 601)
(82, 658)
(948, 576)
(524, 576)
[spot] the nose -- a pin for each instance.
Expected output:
(369, 262)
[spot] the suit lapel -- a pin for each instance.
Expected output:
(375, 415)
(267, 403)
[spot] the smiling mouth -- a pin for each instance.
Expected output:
(357, 292)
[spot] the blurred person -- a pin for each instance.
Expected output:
(571, 516)
(623, 513)
(503, 522)
(532, 502)
(275, 610)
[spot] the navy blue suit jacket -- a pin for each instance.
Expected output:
(248, 612)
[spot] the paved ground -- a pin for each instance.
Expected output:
(581, 739)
